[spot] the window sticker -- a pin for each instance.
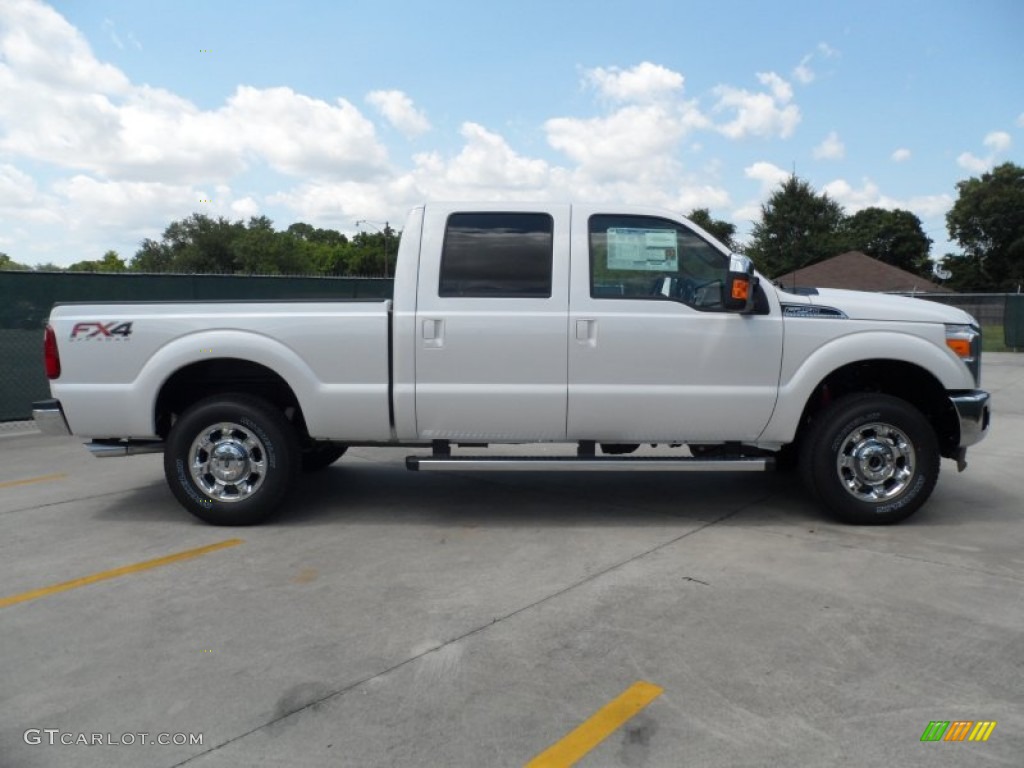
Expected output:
(652, 250)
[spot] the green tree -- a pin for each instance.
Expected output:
(152, 257)
(261, 250)
(6, 262)
(798, 227)
(110, 262)
(895, 237)
(987, 220)
(723, 231)
(197, 244)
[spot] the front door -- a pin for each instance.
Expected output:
(653, 356)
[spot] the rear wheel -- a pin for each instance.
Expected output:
(231, 459)
(871, 459)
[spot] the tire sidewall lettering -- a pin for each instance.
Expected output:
(905, 498)
(188, 486)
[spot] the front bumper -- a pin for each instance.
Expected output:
(49, 417)
(972, 408)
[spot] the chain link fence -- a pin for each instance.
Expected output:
(1001, 315)
(26, 299)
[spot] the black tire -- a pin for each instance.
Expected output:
(321, 456)
(891, 459)
(259, 455)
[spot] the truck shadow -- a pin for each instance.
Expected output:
(381, 493)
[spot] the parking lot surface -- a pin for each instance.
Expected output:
(391, 618)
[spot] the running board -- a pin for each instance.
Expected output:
(110, 449)
(585, 464)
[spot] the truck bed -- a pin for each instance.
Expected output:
(332, 354)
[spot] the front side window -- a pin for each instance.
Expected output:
(643, 257)
(496, 255)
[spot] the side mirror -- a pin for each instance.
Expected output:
(740, 283)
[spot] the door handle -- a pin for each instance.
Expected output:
(433, 332)
(586, 331)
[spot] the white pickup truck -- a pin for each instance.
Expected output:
(603, 326)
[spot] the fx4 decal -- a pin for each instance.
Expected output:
(112, 331)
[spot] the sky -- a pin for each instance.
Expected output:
(117, 118)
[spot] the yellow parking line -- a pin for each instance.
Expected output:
(24, 597)
(30, 480)
(597, 727)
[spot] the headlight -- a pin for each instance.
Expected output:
(965, 341)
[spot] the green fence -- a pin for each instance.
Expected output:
(27, 297)
(1013, 321)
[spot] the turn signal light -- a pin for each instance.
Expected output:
(741, 289)
(962, 347)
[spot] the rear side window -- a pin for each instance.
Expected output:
(497, 255)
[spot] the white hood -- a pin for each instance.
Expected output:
(860, 305)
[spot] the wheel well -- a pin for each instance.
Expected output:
(891, 377)
(221, 375)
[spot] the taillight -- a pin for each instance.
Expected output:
(50, 354)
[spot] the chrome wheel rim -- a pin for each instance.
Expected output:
(227, 462)
(876, 462)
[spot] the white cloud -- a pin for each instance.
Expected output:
(63, 107)
(827, 51)
(832, 148)
(973, 163)
(245, 208)
(644, 82)
(109, 28)
(487, 161)
(758, 114)
(400, 111)
(91, 203)
(803, 72)
(768, 174)
(998, 141)
(16, 188)
(633, 140)
(869, 195)
(303, 136)
(1020, 119)
(638, 140)
(781, 90)
(900, 155)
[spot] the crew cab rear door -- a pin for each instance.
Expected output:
(491, 323)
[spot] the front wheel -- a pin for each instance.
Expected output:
(231, 459)
(871, 459)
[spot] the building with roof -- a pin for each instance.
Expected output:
(859, 272)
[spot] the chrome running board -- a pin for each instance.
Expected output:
(584, 464)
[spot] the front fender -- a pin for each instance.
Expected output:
(803, 371)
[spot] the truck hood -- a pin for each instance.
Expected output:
(860, 305)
